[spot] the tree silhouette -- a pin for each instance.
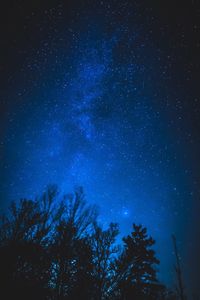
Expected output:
(136, 273)
(177, 267)
(25, 236)
(53, 248)
(23, 254)
(71, 251)
(103, 254)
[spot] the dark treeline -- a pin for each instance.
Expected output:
(53, 248)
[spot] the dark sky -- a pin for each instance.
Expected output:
(105, 94)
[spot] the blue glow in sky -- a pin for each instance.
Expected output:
(95, 103)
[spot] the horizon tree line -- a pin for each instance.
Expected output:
(54, 248)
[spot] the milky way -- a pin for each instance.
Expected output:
(98, 102)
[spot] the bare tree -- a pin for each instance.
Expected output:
(180, 287)
(104, 249)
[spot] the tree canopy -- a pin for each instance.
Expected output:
(54, 248)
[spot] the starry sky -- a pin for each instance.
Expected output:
(105, 94)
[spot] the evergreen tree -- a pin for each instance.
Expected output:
(136, 273)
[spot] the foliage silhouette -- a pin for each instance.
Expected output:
(53, 248)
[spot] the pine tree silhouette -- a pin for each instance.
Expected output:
(136, 273)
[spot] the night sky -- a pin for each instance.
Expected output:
(105, 94)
